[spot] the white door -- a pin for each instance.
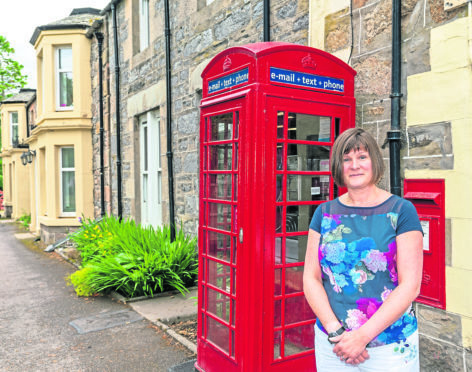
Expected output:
(150, 169)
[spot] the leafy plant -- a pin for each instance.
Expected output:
(79, 281)
(25, 220)
(134, 260)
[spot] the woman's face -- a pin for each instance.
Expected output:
(357, 169)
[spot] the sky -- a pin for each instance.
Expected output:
(19, 19)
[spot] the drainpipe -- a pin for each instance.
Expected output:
(99, 37)
(117, 109)
(393, 135)
(266, 20)
(169, 123)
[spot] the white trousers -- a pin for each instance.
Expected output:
(401, 357)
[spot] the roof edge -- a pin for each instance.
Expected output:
(39, 29)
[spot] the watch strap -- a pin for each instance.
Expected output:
(336, 333)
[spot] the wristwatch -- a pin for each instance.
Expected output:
(336, 333)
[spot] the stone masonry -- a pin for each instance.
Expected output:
(198, 32)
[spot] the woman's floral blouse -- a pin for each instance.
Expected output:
(357, 254)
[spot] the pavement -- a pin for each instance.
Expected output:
(161, 310)
(167, 309)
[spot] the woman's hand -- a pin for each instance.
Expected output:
(351, 347)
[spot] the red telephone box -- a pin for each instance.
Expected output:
(269, 116)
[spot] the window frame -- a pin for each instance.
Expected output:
(61, 181)
(58, 71)
(12, 143)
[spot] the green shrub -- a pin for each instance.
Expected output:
(25, 220)
(79, 281)
(134, 260)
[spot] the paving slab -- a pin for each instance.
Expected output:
(104, 320)
(23, 236)
(168, 309)
(188, 366)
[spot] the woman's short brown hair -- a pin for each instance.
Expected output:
(355, 139)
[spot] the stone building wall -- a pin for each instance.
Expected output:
(198, 33)
(433, 117)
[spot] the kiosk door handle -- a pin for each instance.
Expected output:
(241, 235)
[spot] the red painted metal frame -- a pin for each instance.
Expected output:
(257, 102)
(428, 196)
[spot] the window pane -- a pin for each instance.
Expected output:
(65, 89)
(297, 310)
(307, 188)
(218, 334)
(235, 250)
(221, 156)
(278, 250)
(14, 134)
(293, 279)
(278, 219)
(219, 245)
(68, 191)
(221, 127)
(65, 59)
(145, 144)
(219, 275)
(67, 157)
(220, 186)
(309, 127)
(235, 156)
(277, 340)
(145, 188)
(280, 157)
(14, 117)
(280, 124)
(236, 126)
(295, 248)
(144, 24)
(307, 157)
(218, 304)
(220, 216)
(277, 282)
(299, 217)
(277, 313)
(299, 339)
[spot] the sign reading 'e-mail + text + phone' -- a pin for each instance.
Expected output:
(301, 79)
(228, 81)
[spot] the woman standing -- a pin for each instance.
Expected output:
(363, 267)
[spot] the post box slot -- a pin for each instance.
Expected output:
(424, 197)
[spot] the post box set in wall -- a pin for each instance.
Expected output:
(428, 195)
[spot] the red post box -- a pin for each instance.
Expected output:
(428, 196)
(269, 116)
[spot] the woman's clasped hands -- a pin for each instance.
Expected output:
(350, 347)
